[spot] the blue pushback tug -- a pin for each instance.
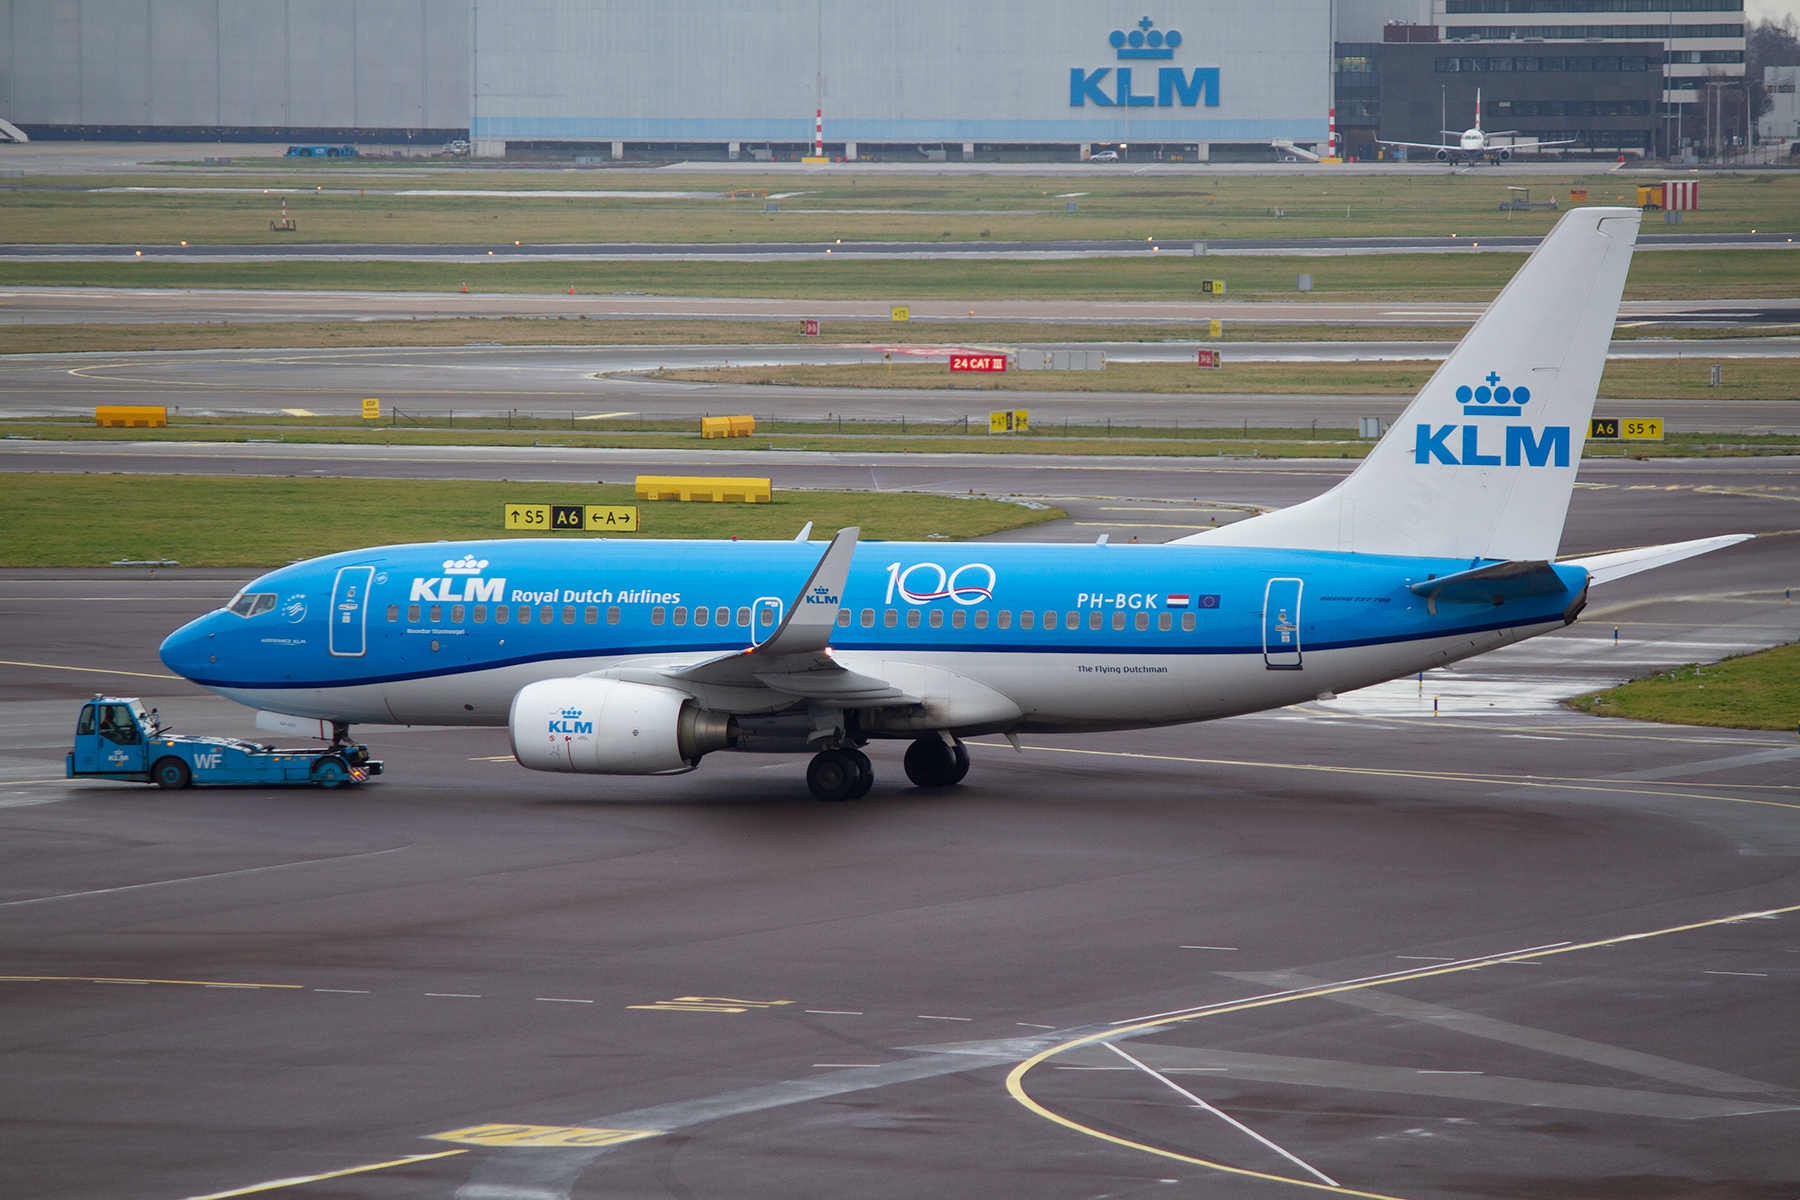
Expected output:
(115, 738)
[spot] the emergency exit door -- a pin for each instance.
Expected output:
(1281, 625)
(350, 612)
(765, 618)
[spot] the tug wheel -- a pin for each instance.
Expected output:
(171, 773)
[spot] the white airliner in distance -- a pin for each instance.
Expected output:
(1475, 144)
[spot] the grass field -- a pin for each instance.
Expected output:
(1755, 691)
(1625, 379)
(347, 204)
(556, 331)
(1667, 274)
(1194, 437)
(559, 331)
(93, 520)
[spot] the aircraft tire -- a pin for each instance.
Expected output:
(865, 774)
(833, 775)
(962, 762)
(932, 764)
(171, 774)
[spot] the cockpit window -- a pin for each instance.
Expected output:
(252, 604)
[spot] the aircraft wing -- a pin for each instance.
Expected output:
(1420, 145)
(796, 659)
(1604, 568)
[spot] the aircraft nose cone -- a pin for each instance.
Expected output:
(190, 650)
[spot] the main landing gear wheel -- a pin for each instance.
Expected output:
(865, 774)
(931, 763)
(171, 773)
(835, 775)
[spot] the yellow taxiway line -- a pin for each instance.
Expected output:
(1015, 1080)
(297, 1180)
(89, 670)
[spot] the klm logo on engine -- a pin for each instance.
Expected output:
(1173, 85)
(1523, 446)
(569, 721)
(821, 595)
(473, 590)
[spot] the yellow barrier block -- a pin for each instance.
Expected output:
(130, 416)
(712, 427)
(696, 487)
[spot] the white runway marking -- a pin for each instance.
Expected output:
(1233, 1122)
(132, 887)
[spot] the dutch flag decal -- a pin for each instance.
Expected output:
(1176, 600)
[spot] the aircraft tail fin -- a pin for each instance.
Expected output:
(1482, 463)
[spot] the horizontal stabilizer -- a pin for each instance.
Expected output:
(1493, 584)
(1604, 568)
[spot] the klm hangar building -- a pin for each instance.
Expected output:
(902, 79)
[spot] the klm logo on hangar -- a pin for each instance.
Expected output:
(1173, 85)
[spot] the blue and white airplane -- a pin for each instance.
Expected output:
(641, 657)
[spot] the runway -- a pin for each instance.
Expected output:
(785, 251)
(150, 306)
(586, 381)
(185, 160)
(1562, 946)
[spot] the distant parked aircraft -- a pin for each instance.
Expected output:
(1475, 144)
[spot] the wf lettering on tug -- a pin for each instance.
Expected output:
(645, 657)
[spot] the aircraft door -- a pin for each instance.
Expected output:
(350, 612)
(1281, 625)
(765, 618)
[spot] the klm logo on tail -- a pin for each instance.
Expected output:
(1523, 445)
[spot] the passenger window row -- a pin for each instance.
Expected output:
(547, 614)
(722, 616)
(1003, 619)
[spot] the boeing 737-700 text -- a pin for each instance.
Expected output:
(629, 657)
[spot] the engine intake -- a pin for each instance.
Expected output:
(612, 727)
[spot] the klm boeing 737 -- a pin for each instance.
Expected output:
(641, 657)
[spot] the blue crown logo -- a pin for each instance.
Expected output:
(1492, 400)
(570, 714)
(1145, 42)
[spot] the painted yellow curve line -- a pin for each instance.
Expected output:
(297, 1180)
(88, 670)
(1015, 1080)
(180, 982)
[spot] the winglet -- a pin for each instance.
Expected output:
(806, 629)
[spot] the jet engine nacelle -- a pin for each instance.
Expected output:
(1443, 156)
(612, 727)
(1505, 155)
